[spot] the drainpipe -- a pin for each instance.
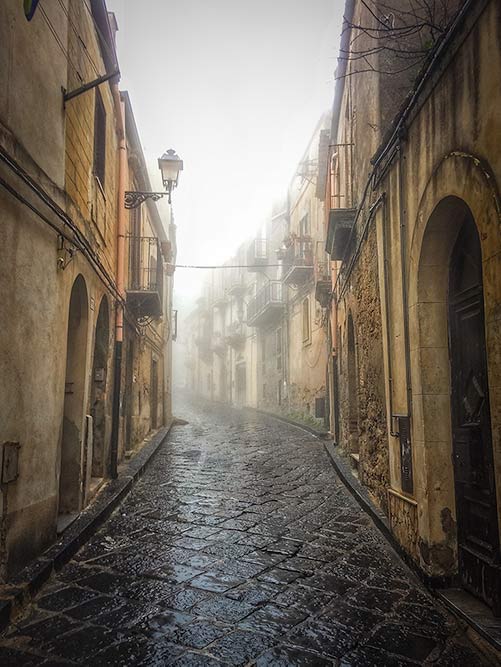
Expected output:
(334, 359)
(386, 262)
(119, 322)
(403, 267)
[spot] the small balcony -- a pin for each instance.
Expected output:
(257, 255)
(236, 335)
(266, 306)
(323, 283)
(145, 277)
(341, 222)
(298, 260)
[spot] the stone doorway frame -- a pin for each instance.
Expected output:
(458, 183)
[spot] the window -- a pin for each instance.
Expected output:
(306, 320)
(99, 139)
(278, 348)
(304, 226)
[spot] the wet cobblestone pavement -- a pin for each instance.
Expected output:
(238, 546)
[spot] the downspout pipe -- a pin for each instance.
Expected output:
(403, 268)
(119, 317)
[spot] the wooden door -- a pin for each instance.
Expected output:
(477, 519)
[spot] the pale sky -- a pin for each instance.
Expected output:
(236, 87)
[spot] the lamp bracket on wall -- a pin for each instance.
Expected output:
(135, 199)
(66, 253)
(87, 86)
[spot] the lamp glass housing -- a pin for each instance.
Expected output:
(170, 164)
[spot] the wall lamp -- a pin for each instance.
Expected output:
(170, 164)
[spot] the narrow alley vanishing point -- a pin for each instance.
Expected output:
(239, 545)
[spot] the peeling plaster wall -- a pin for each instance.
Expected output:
(451, 149)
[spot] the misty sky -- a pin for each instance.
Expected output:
(236, 87)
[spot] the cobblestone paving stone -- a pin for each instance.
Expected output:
(238, 546)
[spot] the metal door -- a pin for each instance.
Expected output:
(477, 520)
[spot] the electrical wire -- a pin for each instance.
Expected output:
(233, 266)
(105, 279)
(50, 25)
(104, 41)
(79, 37)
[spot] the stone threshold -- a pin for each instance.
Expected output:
(474, 612)
(459, 602)
(463, 605)
(23, 587)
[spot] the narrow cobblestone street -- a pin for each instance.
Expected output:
(238, 546)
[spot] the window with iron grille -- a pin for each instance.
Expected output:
(99, 166)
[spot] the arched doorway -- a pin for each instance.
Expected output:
(352, 388)
(98, 392)
(476, 510)
(450, 395)
(71, 445)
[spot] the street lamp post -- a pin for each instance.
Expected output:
(170, 164)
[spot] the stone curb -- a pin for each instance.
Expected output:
(358, 491)
(322, 435)
(26, 584)
(361, 495)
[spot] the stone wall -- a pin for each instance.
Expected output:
(368, 437)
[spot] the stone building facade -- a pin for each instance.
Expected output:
(258, 335)
(63, 272)
(415, 328)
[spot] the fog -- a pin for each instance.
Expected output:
(236, 87)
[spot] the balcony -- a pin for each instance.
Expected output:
(266, 306)
(323, 283)
(341, 222)
(145, 277)
(236, 335)
(257, 255)
(298, 260)
(342, 213)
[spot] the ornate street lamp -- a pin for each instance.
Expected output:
(170, 164)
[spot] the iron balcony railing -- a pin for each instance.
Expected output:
(299, 252)
(145, 276)
(145, 264)
(268, 298)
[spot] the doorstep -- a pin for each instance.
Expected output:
(474, 612)
(20, 590)
(463, 605)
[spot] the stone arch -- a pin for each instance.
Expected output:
(70, 476)
(99, 394)
(460, 186)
